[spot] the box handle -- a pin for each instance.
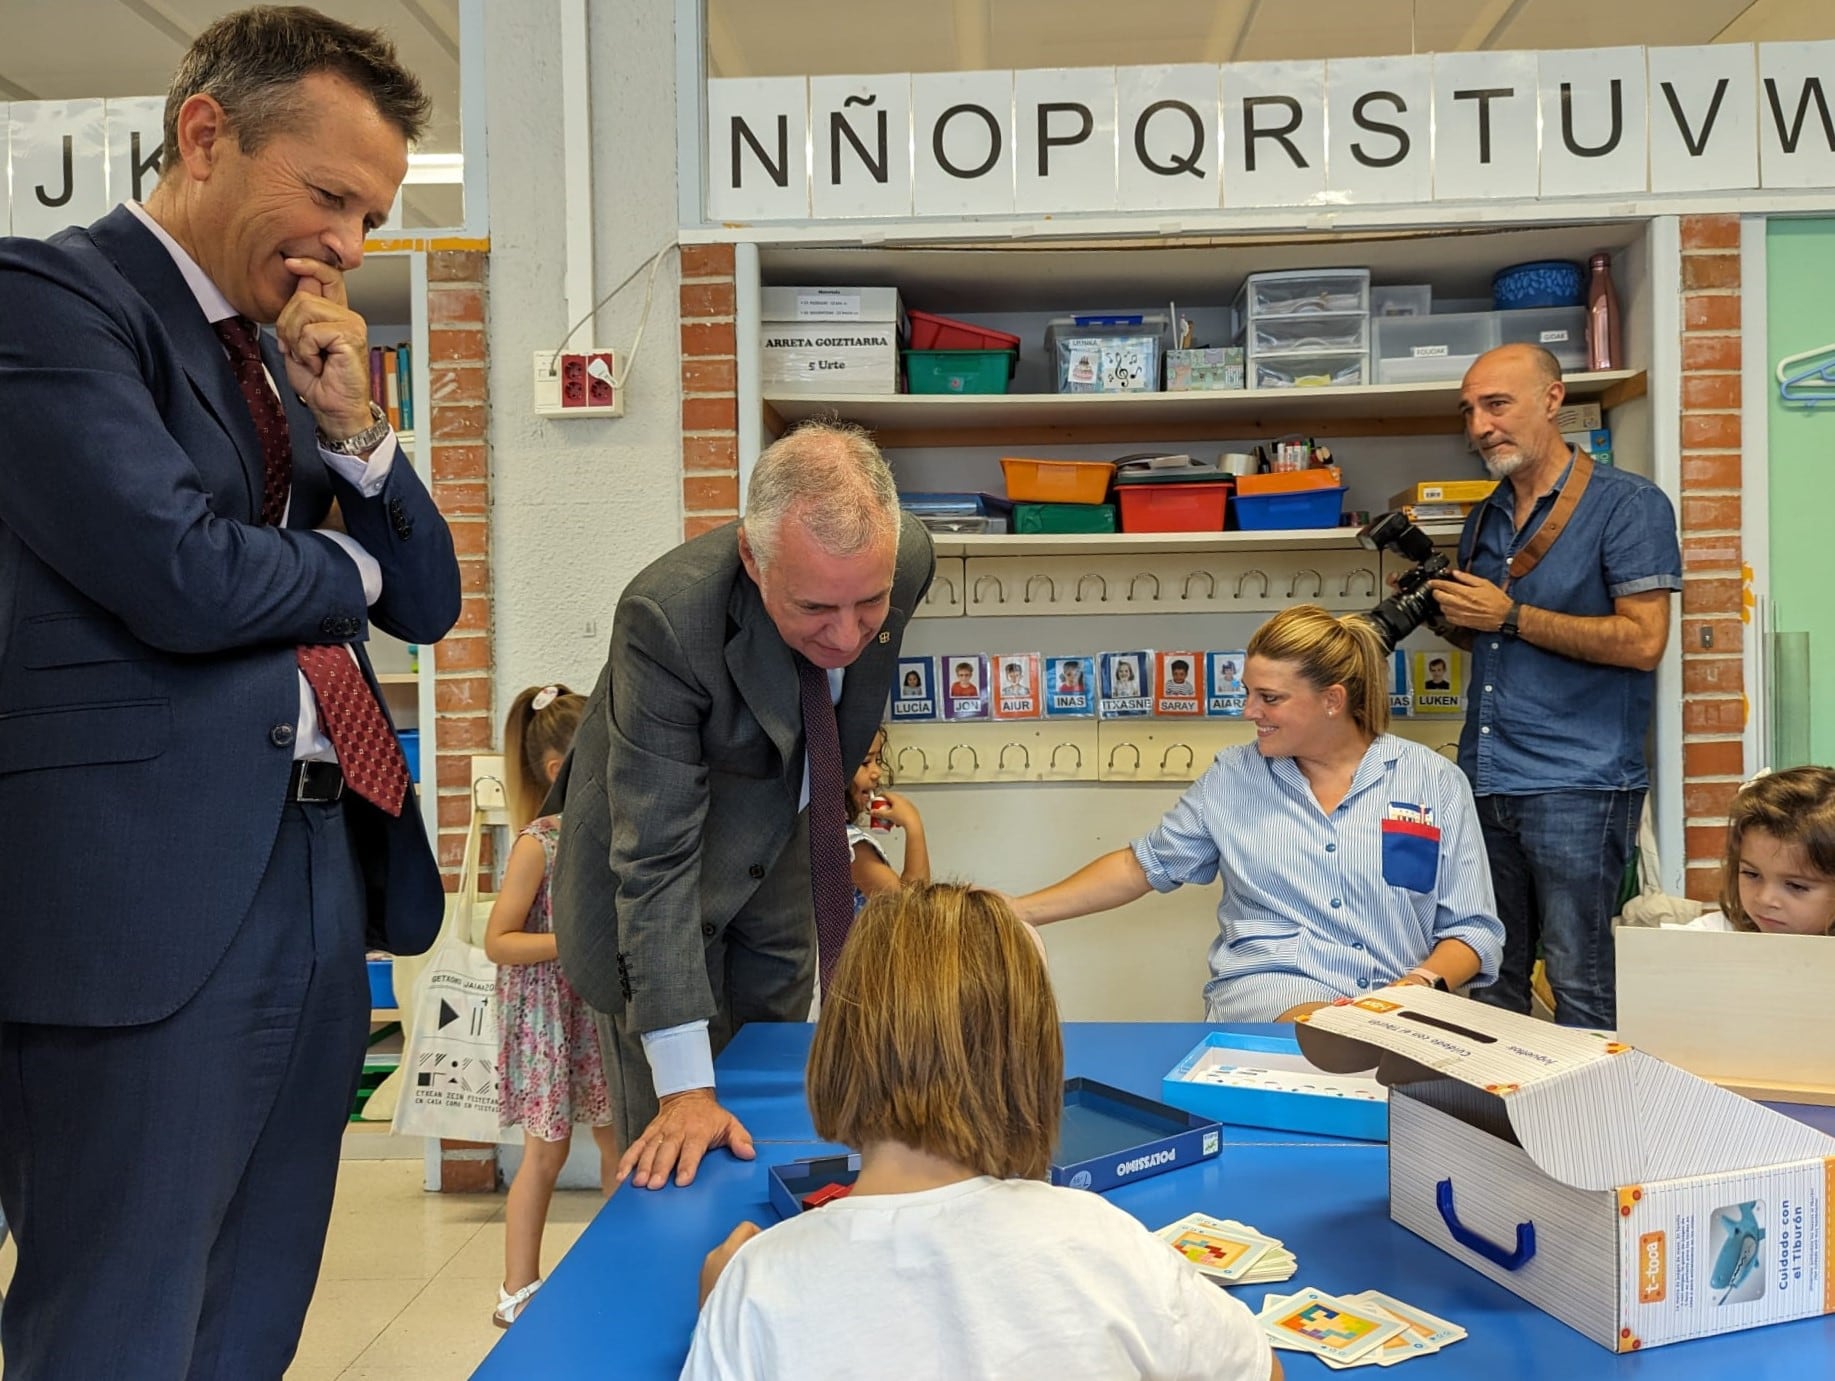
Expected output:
(1471, 1241)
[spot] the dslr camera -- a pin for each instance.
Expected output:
(1412, 604)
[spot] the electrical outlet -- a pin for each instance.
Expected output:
(577, 384)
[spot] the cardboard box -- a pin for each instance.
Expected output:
(836, 357)
(1443, 491)
(1634, 1202)
(1264, 1081)
(835, 304)
(1750, 1012)
(1578, 417)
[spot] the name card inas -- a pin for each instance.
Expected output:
(1070, 688)
(1448, 127)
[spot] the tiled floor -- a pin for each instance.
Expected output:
(409, 1278)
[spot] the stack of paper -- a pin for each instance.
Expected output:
(1368, 1329)
(1227, 1250)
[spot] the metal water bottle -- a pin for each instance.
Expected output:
(1605, 349)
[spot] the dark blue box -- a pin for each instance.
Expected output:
(793, 1180)
(1110, 1137)
(382, 983)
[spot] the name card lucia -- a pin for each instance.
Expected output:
(1416, 129)
(914, 690)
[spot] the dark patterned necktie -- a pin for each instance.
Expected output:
(368, 751)
(830, 873)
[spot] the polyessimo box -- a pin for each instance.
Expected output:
(1109, 1137)
(1634, 1202)
(1264, 1081)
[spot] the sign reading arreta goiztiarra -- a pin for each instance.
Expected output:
(1449, 127)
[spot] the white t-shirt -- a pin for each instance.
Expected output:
(1708, 920)
(986, 1278)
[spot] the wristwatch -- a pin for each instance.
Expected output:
(364, 441)
(1431, 979)
(1508, 626)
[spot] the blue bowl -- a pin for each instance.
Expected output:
(1545, 283)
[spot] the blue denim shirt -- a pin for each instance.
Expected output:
(1535, 720)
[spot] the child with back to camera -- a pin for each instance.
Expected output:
(1779, 875)
(938, 1057)
(550, 1073)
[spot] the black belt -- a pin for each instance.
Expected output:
(320, 782)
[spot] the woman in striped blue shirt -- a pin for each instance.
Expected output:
(1350, 858)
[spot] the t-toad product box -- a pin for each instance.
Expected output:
(1636, 1203)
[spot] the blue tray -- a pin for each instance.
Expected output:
(1328, 1113)
(791, 1181)
(1110, 1137)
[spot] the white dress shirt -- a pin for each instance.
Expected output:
(367, 475)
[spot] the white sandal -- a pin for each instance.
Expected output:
(510, 1305)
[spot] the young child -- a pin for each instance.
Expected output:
(872, 871)
(550, 1074)
(938, 1057)
(1779, 875)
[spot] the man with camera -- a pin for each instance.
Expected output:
(1561, 594)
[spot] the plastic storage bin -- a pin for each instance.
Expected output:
(1407, 299)
(411, 750)
(1308, 508)
(1064, 517)
(1309, 335)
(1310, 371)
(1426, 349)
(932, 332)
(1113, 353)
(382, 983)
(1303, 292)
(1173, 507)
(1057, 481)
(1562, 331)
(958, 371)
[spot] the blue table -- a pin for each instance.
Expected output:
(622, 1302)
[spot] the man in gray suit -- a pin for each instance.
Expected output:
(682, 884)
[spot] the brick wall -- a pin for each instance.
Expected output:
(453, 434)
(1713, 626)
(710, 409)
(454, 431)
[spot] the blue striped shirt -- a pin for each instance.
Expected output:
(1319, 906)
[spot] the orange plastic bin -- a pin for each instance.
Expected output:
(1057, 481)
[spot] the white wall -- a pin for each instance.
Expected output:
(578, 507)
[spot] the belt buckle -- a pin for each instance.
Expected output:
(307, 792)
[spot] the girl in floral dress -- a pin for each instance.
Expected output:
(550, 1075)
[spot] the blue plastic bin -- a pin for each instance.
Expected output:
(382, 983)
(411, 750)
(1304, 508)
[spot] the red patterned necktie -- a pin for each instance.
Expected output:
(830, 872)
(368, 751)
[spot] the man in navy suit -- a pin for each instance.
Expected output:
(204, 814)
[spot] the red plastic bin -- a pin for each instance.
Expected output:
(1172, 507)
(932, 332)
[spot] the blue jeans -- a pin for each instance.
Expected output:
(1557, 859)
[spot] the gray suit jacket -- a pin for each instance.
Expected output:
(682, 788)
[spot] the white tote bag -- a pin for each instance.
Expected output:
(448, 1079)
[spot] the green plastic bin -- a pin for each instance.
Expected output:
(1064, 517)
(959, 371)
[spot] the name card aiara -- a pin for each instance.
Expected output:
(1344, 132)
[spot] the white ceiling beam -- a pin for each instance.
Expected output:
(974, 36)
(161, 17)
(1229, 26)
(725, 58)
(449, 44)
(1488, 23)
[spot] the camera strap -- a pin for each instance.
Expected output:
(1552, 527)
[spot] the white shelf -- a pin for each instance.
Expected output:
(398, 678)
(1160, 543)
(1240, 411)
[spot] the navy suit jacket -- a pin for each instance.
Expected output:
(148, 686)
